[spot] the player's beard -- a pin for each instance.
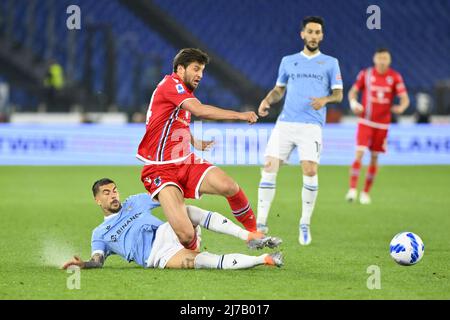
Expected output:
(312, 49)
(188, 83)
(116, 209)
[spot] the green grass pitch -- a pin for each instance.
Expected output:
(47, 214)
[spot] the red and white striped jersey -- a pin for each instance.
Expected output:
(167, 136)
(378, 93)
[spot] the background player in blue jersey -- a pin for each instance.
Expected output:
(132, 232)
(310, 80)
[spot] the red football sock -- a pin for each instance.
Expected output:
(370, 176)
(354, 174)
(193, 244)
(242, 211)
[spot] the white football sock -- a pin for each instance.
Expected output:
(215, 222)
(206, 260)
(266, 193)
(309, 194)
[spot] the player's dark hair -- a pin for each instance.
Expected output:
(97, 184)
(187, 56)
(381, 50)
(314, 19)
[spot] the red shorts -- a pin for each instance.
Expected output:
(374, 139)
(187, 175)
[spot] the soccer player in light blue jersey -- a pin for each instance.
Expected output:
(310, 80)
(132, 232)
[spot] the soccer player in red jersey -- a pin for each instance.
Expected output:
(379, 86)
(171, 171)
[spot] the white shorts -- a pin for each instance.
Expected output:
(165, 246)
(288, 135)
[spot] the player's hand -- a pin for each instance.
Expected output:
(76, 261)
(263, 109)
(397, 109)
(318, 103)
(356, 107)
(203, 145)
(249, 116)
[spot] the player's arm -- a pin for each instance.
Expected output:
(200, 144)
(208, 112)
(352, 96)
(403, 105)
(336, 97)
(275, 95)
(96, 261)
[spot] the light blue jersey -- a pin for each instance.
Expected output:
(130, 232)
(305, 77)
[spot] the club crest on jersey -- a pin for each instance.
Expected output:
(389, 80)
(157, 181)
(180, 88)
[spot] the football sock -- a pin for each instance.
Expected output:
(309, 195)
(206, 260)
(215, 222)
(194, 244)
(266, 193)
(242, 210)
(370, 176)
(354, 174)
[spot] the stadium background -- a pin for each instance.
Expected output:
(79, 97)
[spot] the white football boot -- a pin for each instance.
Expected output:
(305, 235)
(364, 198)
(351, 195)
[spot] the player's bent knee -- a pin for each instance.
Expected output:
(186, 237)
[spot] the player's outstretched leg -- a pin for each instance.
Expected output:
(188, 259)
(218, 182)
(266, 192)
(206, 260)
(218, 223)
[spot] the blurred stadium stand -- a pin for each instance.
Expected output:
(124, 47)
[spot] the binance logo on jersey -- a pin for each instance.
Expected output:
(180, 88)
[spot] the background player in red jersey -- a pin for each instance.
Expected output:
(171, 171)
(379, 85)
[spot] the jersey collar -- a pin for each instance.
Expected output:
(111, 216)
(310, 57)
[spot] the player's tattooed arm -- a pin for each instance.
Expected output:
(275, 95)
(335, 97)
(96, 261)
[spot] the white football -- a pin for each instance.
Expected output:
(407, 248)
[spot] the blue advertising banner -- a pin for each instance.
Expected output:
(235, 144)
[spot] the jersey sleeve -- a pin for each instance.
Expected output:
(145, 201)
(98, 245)
(360, 82)
(399, 85)
(283, 76)
(336, 77)
(176, 93)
